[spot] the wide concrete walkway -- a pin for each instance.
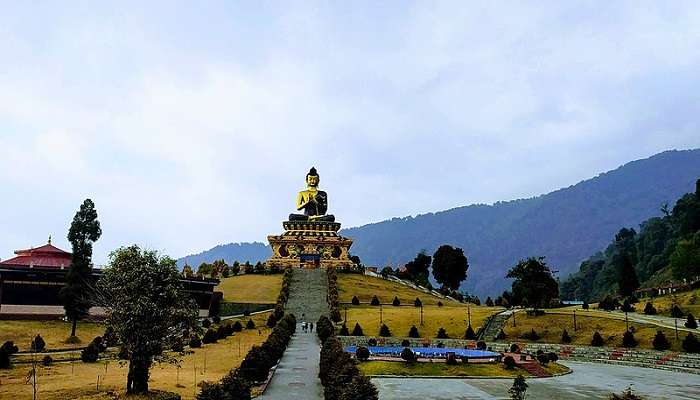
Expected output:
(297, 374)
(588, 381)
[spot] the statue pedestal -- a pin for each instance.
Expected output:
(310, 244)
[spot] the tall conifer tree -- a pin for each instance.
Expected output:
(84, 231)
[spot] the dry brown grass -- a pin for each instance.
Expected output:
(54, 333)
(400, 319)
(689, 302)
(365, 287)
(550, 327)
(251, 288)
(78, 380)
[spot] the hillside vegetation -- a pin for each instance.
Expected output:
(667, 246)
(254, 288)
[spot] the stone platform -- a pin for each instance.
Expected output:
(310, 244)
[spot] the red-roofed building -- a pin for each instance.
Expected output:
(46, 256)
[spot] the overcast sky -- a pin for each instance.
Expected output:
(193, 124)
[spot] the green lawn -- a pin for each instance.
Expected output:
(401, 368)
(251, 288)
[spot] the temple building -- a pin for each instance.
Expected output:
(35, 276)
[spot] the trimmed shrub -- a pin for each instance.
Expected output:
(355, 301)
(90, 354)
(408, 355)
(324, 328)
(585, 305)
(649, 309)
(481, 345)
(405, 343)
(451, 359)
(246, 313)
(442, 334)
(565, 338)
(597, 339)
(195, 342)
(360, 388)
(489, 302)
(553, 357)
(206, 323)
(110, 337)
(375, 300)
(344, 330)
(216, 319)
(47, 361)
(626, 306)
(626, 395)
(469, 334)
(396, 302)
(501, 335)
(210, 336)
(357, 330)
(271, 321)
(628, 340)
(542, 358)
(178, 345)
(660, 342)
(372, 342)
(362, 353)
(509, 362)
(532, 335)
(440, 304)
(691, 323)
(417, 302)
(676, 312)
(237, 326)
(413, 332)
(229, 329)
(221, 333)
(38, 344)
(609, 303)
(384, 331)
(691, 344)
(250, 324)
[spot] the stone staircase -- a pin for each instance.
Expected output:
(307, 294)
(493, 326)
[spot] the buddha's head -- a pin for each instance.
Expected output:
(312, 177)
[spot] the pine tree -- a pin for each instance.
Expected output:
(660, 342)
(75, 295)
(517, 391)
(691, 323)
(627, 281)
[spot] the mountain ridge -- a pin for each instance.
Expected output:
(566, 225)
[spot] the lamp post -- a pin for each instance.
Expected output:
(675, 321)
(421, 315)
(381, 317)
(627, 324)
(469, 314)
(346, 314)
(574, 320)
(514, 317)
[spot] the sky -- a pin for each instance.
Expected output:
(192, 124)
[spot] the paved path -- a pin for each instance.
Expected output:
(658, 320)
(588, 381)
(296, 376)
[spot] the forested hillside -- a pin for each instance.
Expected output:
(666, 247)
(241, 252)
(566, 226)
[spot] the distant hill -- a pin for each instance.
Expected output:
(566, 226)
(241, 252)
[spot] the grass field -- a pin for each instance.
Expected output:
(442, 369)
(452, 317)
(365, 287)
(550, 327)
(687, 301)
(78, 380)
(251, 288)
(54, 333)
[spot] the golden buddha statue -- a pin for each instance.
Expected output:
(314, 202)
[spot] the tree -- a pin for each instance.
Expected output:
(626, 306)
(187, 271)
(450, 266)
(344, 330)
(691, 323)
(384, 331)
(418, 269)
(375, 300)
(417, 303)
(442, 334)
(396, 302)
(75, 295)
(360, 388)
(489, 302)
(355, 301)
(38, 344)
(565, 338)
(597, 339)
(649, 309)
(660, 342)
(627, 278)
(628, 340)
(362, 353)
(413, 332)
(676, 312)
(685, 259)
(357, 330)
(533, 281)
(408, 355)
(469, 333)
(386, 271)
(691, 344)
(147, 308)
(517, 391)
(509, 362)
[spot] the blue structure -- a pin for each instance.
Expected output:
(429, 352)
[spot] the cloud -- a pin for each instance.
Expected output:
(191, 128)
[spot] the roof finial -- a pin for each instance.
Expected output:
(49, 238)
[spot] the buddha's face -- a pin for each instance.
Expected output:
(312, 180)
